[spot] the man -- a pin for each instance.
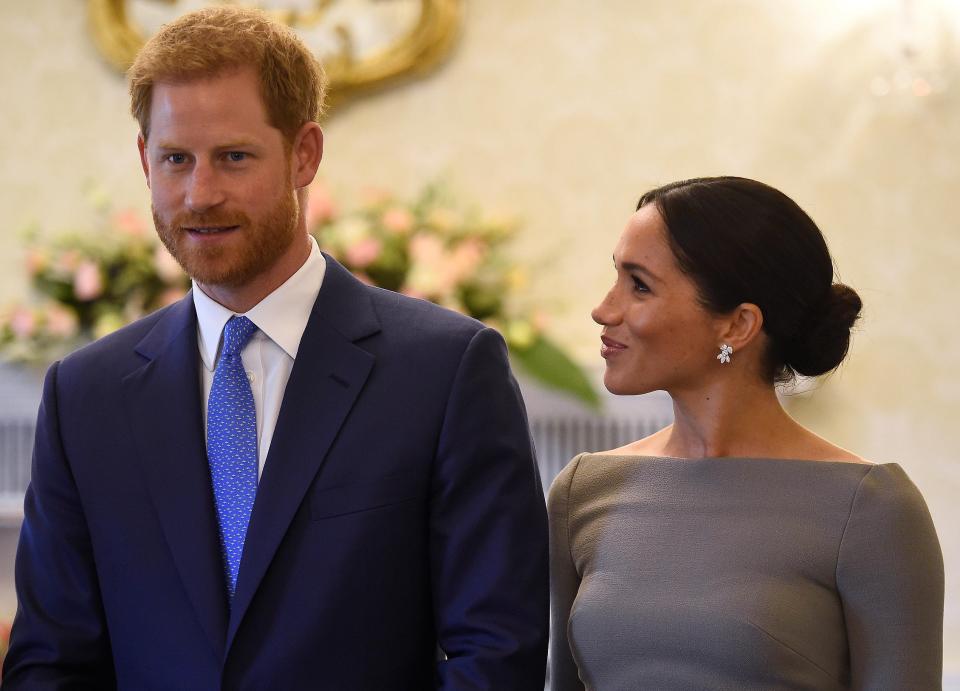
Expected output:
(288, 480)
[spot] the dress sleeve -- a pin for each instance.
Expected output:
(890, 579)
(564, 583)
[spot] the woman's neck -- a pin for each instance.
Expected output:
(732, 419)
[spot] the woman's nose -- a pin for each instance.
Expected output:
(606, 313)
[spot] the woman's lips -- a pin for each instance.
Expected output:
(610, 347)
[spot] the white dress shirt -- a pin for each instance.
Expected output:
(268, 356)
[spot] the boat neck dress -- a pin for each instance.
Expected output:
(742, 573)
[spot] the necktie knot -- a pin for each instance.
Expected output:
(236, 334)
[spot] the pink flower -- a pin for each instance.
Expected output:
(398, 220)
(68, 261)
(428, 274)
(426, 249)
(23, 323)
(60, 321)
(166, 266)
(363, 252)
(465, 259)
(87, 281)
(540, 320)
(320, 205)
(129, 223)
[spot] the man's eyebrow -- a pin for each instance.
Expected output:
(229, 146)
(239, 144)
(635, 266)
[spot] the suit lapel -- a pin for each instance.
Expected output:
(163, 406)
(327, 376)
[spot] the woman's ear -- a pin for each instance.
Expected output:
(742, 326)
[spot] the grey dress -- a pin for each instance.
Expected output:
(734, 573)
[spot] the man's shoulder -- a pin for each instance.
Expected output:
(421, 319)
(119, 347)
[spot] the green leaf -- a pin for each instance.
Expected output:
(549, 365)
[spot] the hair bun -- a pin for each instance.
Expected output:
(822, 342)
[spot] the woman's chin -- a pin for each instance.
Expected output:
(617, 386)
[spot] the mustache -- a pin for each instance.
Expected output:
(206, 220)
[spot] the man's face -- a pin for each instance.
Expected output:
(220, 179)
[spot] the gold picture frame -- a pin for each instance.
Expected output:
(418, 50)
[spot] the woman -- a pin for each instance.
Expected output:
(735, 549)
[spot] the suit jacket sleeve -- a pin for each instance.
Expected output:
(59, 638)
(890, 578)
(488, 532)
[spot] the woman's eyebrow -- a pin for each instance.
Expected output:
(635, 266)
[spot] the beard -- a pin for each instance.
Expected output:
(236, 262)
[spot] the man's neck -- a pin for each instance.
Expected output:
(243, 298)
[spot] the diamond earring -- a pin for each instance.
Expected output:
(725, 352)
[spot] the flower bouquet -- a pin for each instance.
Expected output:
(89, 284)
(432, 249)
(92, 283)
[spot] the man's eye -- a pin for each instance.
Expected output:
(237, 156)
(177, 158)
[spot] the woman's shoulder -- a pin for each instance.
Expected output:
(888, 491)
(889, 539)
(560, 487)
(587, 474)
(888, 519)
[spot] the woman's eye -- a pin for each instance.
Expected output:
(639, 285)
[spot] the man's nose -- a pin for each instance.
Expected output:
(607, 313)
(204, 190)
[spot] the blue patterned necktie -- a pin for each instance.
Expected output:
(232, 445)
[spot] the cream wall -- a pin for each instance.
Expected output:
(563, 111)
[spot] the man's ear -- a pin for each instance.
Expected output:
(306, 154)
(144, 162)
(742, 326)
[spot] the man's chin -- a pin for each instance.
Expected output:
(213, 268)
(221, 277)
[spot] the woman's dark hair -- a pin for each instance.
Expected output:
(742, 241)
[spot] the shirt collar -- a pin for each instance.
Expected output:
(282, 315)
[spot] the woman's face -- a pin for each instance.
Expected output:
(656, 334)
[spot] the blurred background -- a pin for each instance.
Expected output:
(557, 115)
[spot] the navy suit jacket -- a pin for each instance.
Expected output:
(398, 539)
